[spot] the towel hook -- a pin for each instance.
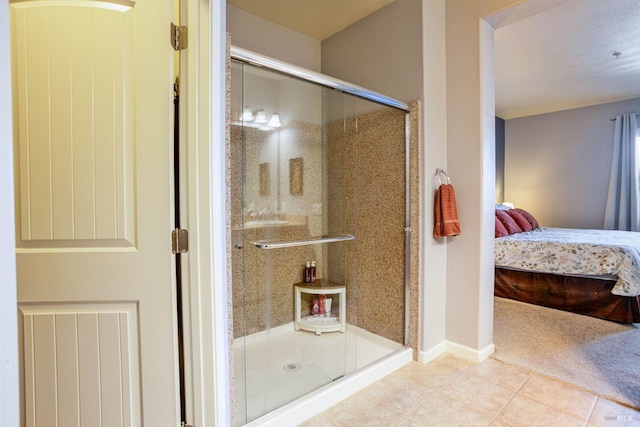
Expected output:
(440, 172)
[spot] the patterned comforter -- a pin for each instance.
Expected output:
(575, 251)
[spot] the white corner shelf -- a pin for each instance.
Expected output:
(321, 323)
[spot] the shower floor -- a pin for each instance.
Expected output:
(282, 364)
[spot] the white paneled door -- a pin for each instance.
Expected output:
(93, 136)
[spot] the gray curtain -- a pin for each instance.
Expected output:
(623, 200)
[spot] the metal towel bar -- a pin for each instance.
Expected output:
(276, 244)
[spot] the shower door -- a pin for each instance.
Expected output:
(316, 176)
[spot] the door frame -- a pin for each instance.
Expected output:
(9, 381)
(206, 309)
(206, 325)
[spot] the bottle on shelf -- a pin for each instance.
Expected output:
(313, 271)
(307, 273)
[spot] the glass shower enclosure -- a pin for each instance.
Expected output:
(318, 196)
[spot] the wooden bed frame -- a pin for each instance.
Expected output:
(588, 296)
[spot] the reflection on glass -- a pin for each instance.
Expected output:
(296, 176)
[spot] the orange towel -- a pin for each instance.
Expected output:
(446, 212)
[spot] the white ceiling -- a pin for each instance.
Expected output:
(562, 57)
(551, 55)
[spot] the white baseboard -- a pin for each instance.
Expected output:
(433, 352)
(470, 353)
(457, 350)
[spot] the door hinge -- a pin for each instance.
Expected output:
(179, 241)
(179, 37)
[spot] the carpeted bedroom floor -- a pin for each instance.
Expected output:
(597, 355)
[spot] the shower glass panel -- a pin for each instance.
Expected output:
(316, 176)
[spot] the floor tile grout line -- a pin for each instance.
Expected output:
(554, 408)
(406, 414)
(453, 374)
(552, 378)
(595, 396)
(532, 373)
(433, 392)
(438, 390)
(593, 406)
(495, 418)
(599, 396)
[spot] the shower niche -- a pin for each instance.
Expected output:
(316, 173)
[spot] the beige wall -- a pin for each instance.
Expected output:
(381, 52)
(471, 166)
(434, 127)
(258, 35)
(557, 165)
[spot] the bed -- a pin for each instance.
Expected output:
(591, 272)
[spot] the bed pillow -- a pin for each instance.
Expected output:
(522, 222)
(529, 217)
(508, 222)
(501, 231)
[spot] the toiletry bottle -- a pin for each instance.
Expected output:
(307, 273)
(313, 271)
(327, 307)
(315, 308)
(321, 304)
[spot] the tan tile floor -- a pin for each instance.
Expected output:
(454, 392)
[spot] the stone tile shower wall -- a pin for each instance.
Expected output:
(373, 202)
(364, 180)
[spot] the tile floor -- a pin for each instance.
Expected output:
(454, 392)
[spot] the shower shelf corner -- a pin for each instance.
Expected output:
(319, 324)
